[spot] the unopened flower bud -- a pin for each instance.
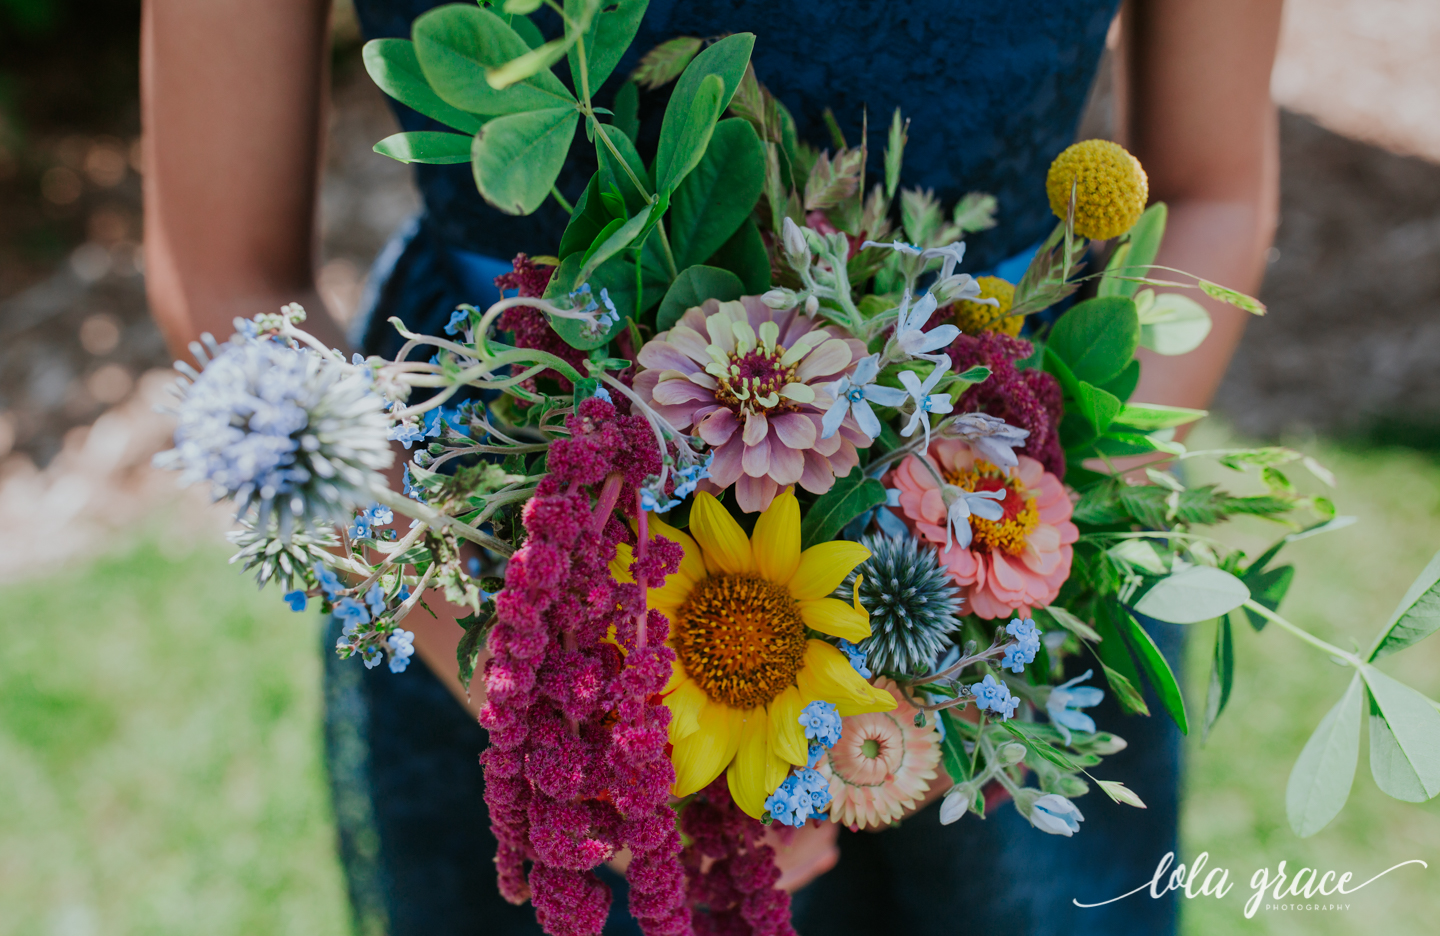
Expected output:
(812, 306)
(1072, 786)
(919, 719)
(779, 298)
(795, 246)
(1012, 753)
(1106, 744)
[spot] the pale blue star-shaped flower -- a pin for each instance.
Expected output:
(994, 696)
(925, 401)
(854, 393)
(1065, 702)
(296, 600)
(963, 505)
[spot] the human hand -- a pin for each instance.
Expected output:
(802, 855)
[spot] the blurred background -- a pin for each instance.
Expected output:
(160, 762)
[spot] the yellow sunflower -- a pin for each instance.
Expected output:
(739, 609)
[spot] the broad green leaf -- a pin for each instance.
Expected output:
(586, 221)
(1418, 615)
(1097, 407)
(692, 287)
(521, 7)
(1415, 726)
(1173, 324)
(627, 110)
(952, 749)
(1321, 779)
(392, 65)
(1196, 594)
(1097, 338)
(1123, 385)
(516, 158)
(1115, 659)
(1140, 246)
(1222, 675)
(1117, 442)
(623, 236)
(1391, 769)
(1150, 416)
(1072, 623)
(851, 496)
(427, 146)
(688, 122)
(672, 165)
(1267, 587)
(718, 195)
(1157, 669)
(1140, 554)
(744, 255)
(616, 278)
(526, 29)
(457, 44)
(611, 31)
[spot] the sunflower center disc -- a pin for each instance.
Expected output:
(741, 639)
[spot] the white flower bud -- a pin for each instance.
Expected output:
(1012, 753)
(1106, 744)
(812, 306)
(795, 246)
(779, 298)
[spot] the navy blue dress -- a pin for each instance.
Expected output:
(994, 89)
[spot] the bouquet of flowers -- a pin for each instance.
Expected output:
(764, 512)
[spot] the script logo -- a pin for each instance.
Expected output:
(1305, 885)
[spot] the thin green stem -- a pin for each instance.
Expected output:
(1350, 658)
(427, 514)
(979, 739)
(561, 200)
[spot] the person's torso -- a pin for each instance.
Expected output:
(994, 90)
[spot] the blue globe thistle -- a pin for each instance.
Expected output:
(291, 436)
(912, 604)
(282, 562)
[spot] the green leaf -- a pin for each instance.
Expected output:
(1238, 299)
(1157, 669)
(895, 152)
(744, 255)
(1222, 675)
(718, 195)
(1097, 407)
(1042, 748)
(1196, 594)
(472, 643)
(1417, 617)
(952, 749)
(1124, 384)
(527, 65)
(1414, 725)
(1173, 324)
(1115, 659)
(516, 158)
(612, 173)
(1072, 623)
(457, 44)
(1151, 416)
(664, 63)
(627, 110)
(696, 104)
(851, 496)
(1126, 694)
(1321, 779)
(586, 221)
(611, 31)
(622, 237)
(691, 288)
(1097, 338)
(392, 65)
(616, 277)
(1267, 587)
(975, 212)
(1390, 767)
(1139, 248)
(426, 146)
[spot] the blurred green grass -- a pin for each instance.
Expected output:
(160, 763)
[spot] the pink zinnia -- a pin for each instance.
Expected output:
(1012, 564)
(752, 382)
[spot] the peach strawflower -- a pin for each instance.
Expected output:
(753, 381)
(882, 765)
(1015, 563)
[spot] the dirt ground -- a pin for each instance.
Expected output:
(1350, 345)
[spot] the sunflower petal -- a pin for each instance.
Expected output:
(776, 540)
(702, 756)
(823, 567)
(685, 704)
(836, 618)
(677, 676)
(828, 675)
(754, 765)
(787, 738)
(725, 545)
(620, 565)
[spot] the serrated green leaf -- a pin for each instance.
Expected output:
(1415, 726)
(851, 496)
(432, 147)
(1321, 779)
(1196, 594)
(517, 158)
(692, 287)
(392, 65)
(717, 196)
(1158, 671)
(1417, 617)
(457, 44)
(696, 104)
(975, 212)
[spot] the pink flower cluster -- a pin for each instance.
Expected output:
(1029, 399)
(577, 766)
(731, 870)
(529, 325)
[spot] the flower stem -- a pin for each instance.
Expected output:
(1350, 658)
(427, 514)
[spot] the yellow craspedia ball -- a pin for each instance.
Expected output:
(1110, 190)
(974, 317)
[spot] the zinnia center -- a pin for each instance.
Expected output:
(741, 639)
(1021, 517)
(753, 380)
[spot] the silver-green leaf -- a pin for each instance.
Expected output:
(1321, 779)
(1415, 726)
(1417, 617)
(1197, 594)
